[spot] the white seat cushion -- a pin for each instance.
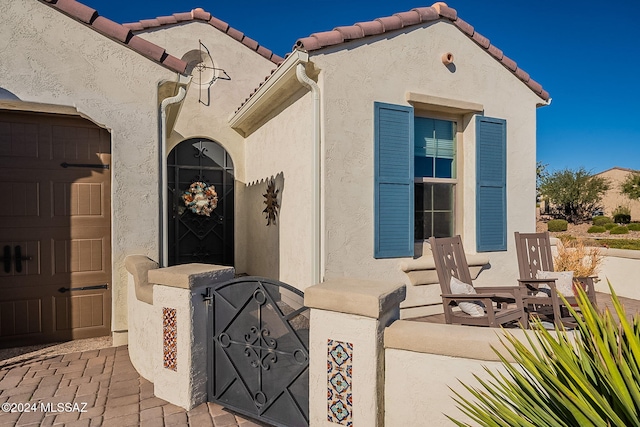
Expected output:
(472, 308)
(564, 282)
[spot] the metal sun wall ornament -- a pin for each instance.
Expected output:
(271, 200)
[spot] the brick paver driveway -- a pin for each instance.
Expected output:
(94, 388)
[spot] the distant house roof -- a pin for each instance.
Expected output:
(200, 15)
(417, 16)
(117, 32)
(620, 169)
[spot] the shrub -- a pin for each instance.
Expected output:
(626, 210)
(560, 381)
(610, 225)
(622, 214)
(575, 256)
(635, 226)
(601, 220)
(557, 225)
(596, 229)
(620, 229)
(622, 218)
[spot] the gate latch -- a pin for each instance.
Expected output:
(207, 297)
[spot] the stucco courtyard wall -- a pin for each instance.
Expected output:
(281, 148)
(424, 361)
(51, 59)
(384, 69)
(620, 268)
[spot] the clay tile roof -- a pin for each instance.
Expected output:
(117, 32)
(77, 10)
(369, 28)
(201, 15)
(408, 18)
(417, 16)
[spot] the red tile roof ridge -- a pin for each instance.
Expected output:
(200, 14)
(90, 17)
(416, 16)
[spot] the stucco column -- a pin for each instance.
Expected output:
(179, 359)
(346, 364)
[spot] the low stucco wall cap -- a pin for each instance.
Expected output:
(139, 266)
(355, 296)
(189, 276)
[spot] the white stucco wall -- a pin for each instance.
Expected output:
(246, 69)
(423, 363)
(384, 69)
(283, 149)
(145, 332)
(50, 58)
(417, 387)
(620, 268)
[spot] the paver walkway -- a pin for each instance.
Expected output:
(95, 388)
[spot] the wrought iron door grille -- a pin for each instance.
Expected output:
(259, 350)
(193, 237)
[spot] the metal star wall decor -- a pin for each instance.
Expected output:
(271, 200)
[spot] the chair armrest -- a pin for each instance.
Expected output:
(533, 284)
(472, 297)
(536, 280)
(496, 289)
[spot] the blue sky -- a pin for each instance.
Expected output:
(585, 54)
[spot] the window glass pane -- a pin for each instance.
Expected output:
(444, 168)
(424, 146)
(434, 213)
(443, 197)
(419, 225)
(428, 225)
(427, 197)
(418, 196)
(423, 166)
(443, 224)
(435, 148)
(443, 130)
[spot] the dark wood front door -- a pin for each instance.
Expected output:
(55, 229)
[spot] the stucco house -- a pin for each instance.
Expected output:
(353, 150)
(613, 197)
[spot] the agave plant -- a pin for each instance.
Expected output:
(592, 379)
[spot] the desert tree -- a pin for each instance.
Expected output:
(574, 193)
(631, 186)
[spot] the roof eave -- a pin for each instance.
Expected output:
(265, 98)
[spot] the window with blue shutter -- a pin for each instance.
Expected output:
(394, 198)
(491, 181)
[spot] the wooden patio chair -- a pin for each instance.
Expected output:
(502, 304)
(534, 255)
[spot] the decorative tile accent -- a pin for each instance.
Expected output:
(339, 367)
(170, 338)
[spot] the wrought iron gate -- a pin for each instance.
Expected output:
(259, 350)
(193, 237)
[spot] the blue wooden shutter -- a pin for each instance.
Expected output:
(491, 183)
(393, 159)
